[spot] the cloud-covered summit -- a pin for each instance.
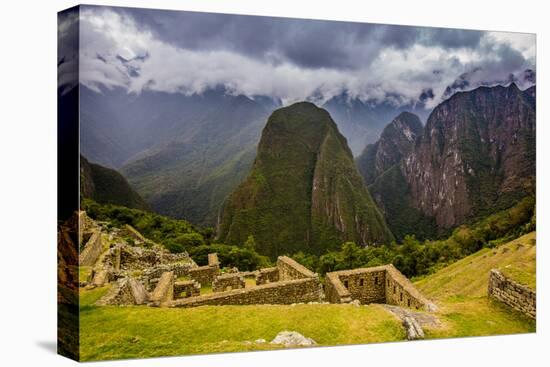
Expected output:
(293, 59)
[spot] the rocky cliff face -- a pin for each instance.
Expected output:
(476, 155)
(396, 141)
(304, 191)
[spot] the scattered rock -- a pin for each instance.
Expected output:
(355, 303)
(259, 341)
(292, 339)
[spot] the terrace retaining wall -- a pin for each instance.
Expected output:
(513, 294)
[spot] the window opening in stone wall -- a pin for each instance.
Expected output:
(361, 282)
(408, 303)
(345, 283)
(394, 291)
(401, 297)
(376, 280)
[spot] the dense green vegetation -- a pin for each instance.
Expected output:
(107, 186)
(303, 186)
(411, 256)
(415, 258)
(177, 235)
(395, 198)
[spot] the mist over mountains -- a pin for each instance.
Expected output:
(185, 154)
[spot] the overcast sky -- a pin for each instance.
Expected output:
(293, 59)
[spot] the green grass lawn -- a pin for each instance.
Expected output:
(89, 297)
(137, 332)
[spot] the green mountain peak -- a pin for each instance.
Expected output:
(304, 191)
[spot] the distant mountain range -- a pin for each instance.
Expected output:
(362, 122)
(475, 156)
(304, 192)
(185, 153)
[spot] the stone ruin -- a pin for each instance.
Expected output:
(89, 236)
(143, 272)
(289, 282)
(381, 284)
(511, 293)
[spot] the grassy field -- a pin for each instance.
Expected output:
(459, 290)
(137, 332)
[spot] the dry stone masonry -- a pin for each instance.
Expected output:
(92, 248)
(186, 288)
(267, 275)
(513, 294)
(164, 291)
(380, 284)
(206, 274)
(228, 281)
(127, 291)
(295, 284)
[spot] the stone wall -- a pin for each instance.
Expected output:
(367, 286)
(228, 281)
(289, 269)
(267, 275)
(283, 292)
(335, 291)
(179, 270)
(381, 284)
(513, 294)
(401, 292)
(213, 259)
(92, 249)
(133, 233)
(188, 288)
(126, 291)
(206, 274)
(164, 291)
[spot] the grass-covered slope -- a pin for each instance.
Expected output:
(304, 191)
(460, 290)
(107, 186)
(469, 276)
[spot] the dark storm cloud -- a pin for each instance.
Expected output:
(450, 38)
(189, 52)
(307, 43)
